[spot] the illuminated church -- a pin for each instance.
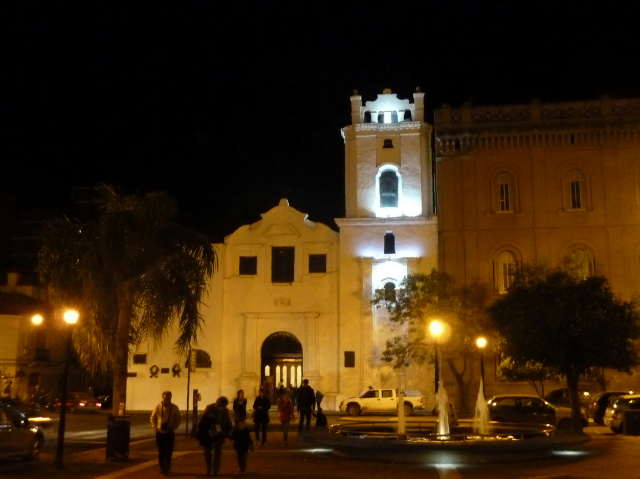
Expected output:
(291, 299)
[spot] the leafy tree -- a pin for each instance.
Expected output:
(131, 272)
(424, 297)
(530, 371)
(566, 323)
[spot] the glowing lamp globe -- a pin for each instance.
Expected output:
(71, 316)
(436, 328)
(37, 319)
(481, 342)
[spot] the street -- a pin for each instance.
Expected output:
(606, 456)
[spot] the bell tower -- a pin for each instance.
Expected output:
(389, 229)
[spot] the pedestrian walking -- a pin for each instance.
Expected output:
(239, 407)
(165, 419)
(285, 406)
(242, 443)
(213, 428)
(261, 408)
(306, 402)
(319, 398)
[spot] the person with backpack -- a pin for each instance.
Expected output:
(306, 403)
(261, 408)
(213, 428)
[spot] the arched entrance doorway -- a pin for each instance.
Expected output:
(281, 361)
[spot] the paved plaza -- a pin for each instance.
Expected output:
(607, 456)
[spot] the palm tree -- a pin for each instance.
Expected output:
(131, 272)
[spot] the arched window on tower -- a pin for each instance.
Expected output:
(367, 117)
(504, 270)
(380, 117)
(407, 115)
(394, 117)
(389, 189)
(389, 292)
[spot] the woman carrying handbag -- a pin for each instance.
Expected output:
(285, 406)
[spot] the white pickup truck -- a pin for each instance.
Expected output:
(381, 400)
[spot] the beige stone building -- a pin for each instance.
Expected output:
(537, 183)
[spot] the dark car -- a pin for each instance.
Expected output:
(562, 397)
(598, 404)
(18, 436)
(521, 409)
(81, 402)
(34, 414)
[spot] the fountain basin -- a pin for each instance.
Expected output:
(504, 443)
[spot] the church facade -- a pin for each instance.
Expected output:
(292, 299)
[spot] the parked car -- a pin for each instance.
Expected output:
(81, 402)
(18, 436)
(381, 400)
(599, 403)
(529, 409)
(614, 415)
(33, 413)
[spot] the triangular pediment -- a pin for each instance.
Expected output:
(282, 229)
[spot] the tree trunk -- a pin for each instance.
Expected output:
(460, 380)
(576, 417)
(121, 354)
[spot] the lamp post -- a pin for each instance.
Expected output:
(71, 318)
(436, 328)
(481, 343)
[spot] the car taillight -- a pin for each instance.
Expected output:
(81, 404)
(98, 404)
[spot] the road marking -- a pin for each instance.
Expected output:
(138, 467)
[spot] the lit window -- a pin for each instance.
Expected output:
(389, 189)
(387, 143)
(389, 291)
(504, 271)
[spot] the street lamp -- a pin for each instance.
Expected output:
(436, 328)
(481, 343)
(71, 318)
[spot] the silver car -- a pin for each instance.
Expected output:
(18, 436)
(614, 415)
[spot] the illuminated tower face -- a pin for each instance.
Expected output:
(389, 229)
(388, 158)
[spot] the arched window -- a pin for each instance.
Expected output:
(367, 117)
(575, 190)
(579, 262)
(389, 189)
(380, 117)
(504, 270)
(394, 117)
(389, 291)
(407, 115)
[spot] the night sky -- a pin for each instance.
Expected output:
(230, 106)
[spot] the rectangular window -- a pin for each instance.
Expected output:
(389, 243)
(349, 359)
(317, 263)
(576, 195)
(508, 273)
(282, 261)
(248, 265)
(505, 200)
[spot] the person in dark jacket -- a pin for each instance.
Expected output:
(306, 403)
(261, 408)
(213, 428)
(239, 407)
(242, 443)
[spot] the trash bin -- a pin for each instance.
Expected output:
(118, 435)
(631, 423)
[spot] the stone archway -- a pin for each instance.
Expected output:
(281, 355)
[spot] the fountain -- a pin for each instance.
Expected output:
(481, 418)
(442, 400)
